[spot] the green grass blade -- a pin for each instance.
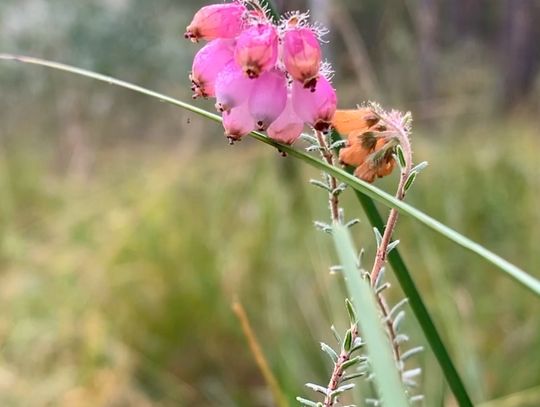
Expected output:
(511, 270)
(418, 307)
(379, 348)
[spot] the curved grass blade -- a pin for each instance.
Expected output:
(379, 349)
(371, 191)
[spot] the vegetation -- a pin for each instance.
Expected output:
(121, 258)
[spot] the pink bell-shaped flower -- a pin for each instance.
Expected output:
(268, 98)
(232, 87)
(288, 126)
(207, 64)
(238, 122)
(257, 49)
(315, 107)
(217, 21)
(302, 55)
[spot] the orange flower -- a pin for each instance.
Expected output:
(367, 148)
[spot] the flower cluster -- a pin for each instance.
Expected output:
(370, 146)
(264, 76)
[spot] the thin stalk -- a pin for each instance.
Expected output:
(337, 373)
(333, 195)
(419, 309)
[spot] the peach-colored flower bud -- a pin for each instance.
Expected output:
(232, 87)
(207, 64)
(315, 107)
(216, 21)
(302, 55)
(257, 49)
(287, 127)
(268, 98)
(238, 122)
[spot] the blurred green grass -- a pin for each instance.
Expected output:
(116, 284)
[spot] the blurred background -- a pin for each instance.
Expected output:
(127, 226)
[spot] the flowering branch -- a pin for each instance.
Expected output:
(400, 124)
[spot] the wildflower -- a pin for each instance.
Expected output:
(287, 127)
(232, 87)
(208, 62)
(238, 122)
(268, 98)
(369, 148)
(257, 49)
(315, 107)
(379, 164)
(302, 55)
(216, 21)
(346, 121)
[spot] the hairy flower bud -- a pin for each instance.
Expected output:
(379, 164)
(287, 127)
(302, 55)
(238, 122)
(216, 21)
(315, 107)
(268, 98)
(207, 64)
(257, 49)
(232, 87)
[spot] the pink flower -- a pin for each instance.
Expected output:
(302, 55)
(216, 21)
(288, 126)
(257, 49)
(315, 107)
(208, 62)
(268, 98)
(232, 87)
(238, 123)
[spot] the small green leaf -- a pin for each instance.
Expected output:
(353, 376)
(378, 236)
(352, 222)
(411, 352)
(420, 167)
(347, 342)
(320, 184)
(317, 388)
(351, 311)
(342, 389)
(307, 403)
(401, 157)
(392, 246)
(410, 181)
(336, 334)
(353, 361)
(329, 351)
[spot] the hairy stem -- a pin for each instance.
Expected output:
(382, 250)
(338, 371)
(333, 195)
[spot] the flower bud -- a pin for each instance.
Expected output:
(216, 21)
(302, 55)
(268, 98)
(257, 49)
(238, 123)
(378, 164)
(207, 64)
(346, 121)
(232, 87)
(287, 127)
(315, 107)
